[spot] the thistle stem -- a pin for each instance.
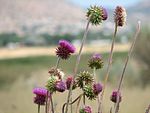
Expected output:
(126, 62)
(108, 67)
(78, 98)
(52, 105)
(38, 108)
(77, 62)
(84, 99)
(57, 63)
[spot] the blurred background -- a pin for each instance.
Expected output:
(31, 29)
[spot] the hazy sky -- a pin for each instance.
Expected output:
(106, 3)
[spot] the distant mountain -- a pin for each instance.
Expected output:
(55, 16)
(39, 16)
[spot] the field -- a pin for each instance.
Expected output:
(19, 75)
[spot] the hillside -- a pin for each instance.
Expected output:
(39, 16)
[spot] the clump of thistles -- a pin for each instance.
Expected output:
(115, 95)
(95, 61)
(86, 109)
(40, 97)
(120, 16)
(64, 49)
(96, 14)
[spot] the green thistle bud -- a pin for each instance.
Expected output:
(96, 14)
(95, 61)
(88, 91)
(51, 84)
(84, 78)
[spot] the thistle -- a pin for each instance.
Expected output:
(96, 14)
(86, 109)
(95, 61)
(97, 88)
(88, 91)
(64, 49)
(56, 73)
(40, 95)
(115, 95)
(120, 16)
(60, 86)
(84, 78)
(70, 80)
(51, 84)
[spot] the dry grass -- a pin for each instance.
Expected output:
(37, 51)
(19, 98)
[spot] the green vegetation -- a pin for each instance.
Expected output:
(11, 69)
(142, 53)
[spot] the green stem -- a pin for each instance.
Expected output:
(77, 62)
(126, 63)
(38, 108)
(52, 105)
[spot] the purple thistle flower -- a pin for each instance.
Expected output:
(70, 80)
(97, 56)
(60, 86)
(86, 109)
(114, 95)
(97, 88)
(96, 61)
(104, 14)
(40, 97)
(65, 49)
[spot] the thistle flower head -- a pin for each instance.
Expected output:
(88, 91)
(96, 14)
(114, 96)
(97, 88)
(65, 49)
(70, 80)
(60, 86)
(51, 84)
(104, 14)
(95, 61)
(40, 91)
(86, 109)
(57, 73)
(84, 78)
(120, 16)
(40, 97)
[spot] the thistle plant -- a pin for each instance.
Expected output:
(91, 88)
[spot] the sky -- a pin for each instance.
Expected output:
(106, 3)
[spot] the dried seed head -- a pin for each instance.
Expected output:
(96, 14)
(120, 16)
(57, 73)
